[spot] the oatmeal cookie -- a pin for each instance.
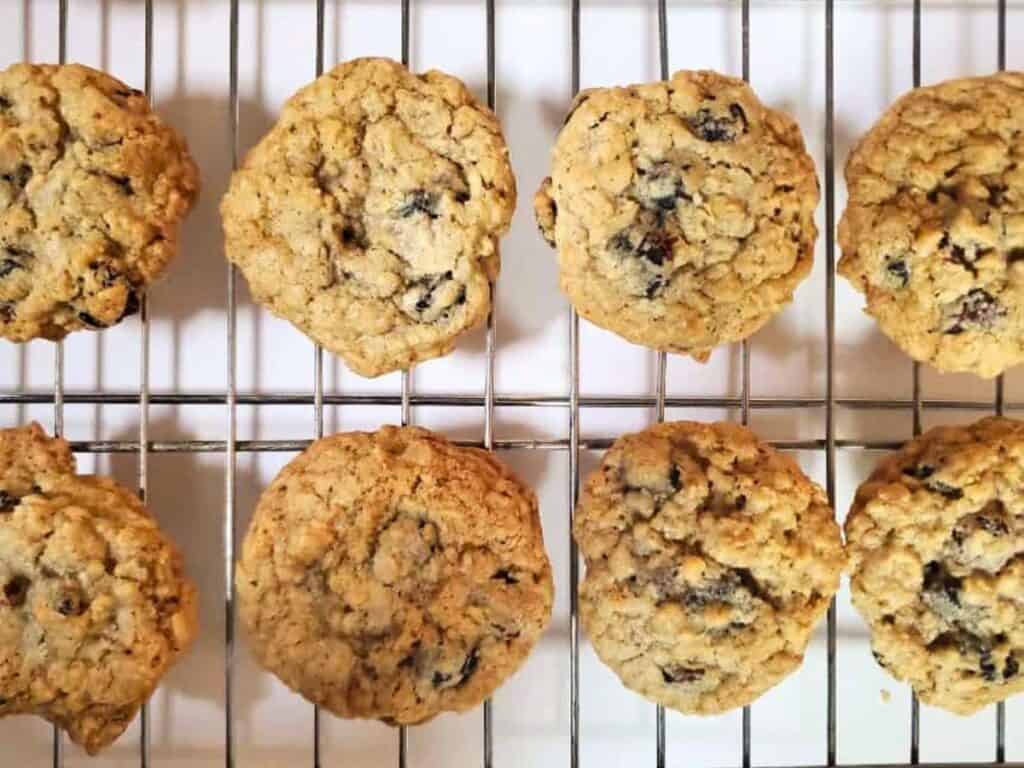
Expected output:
(369, 216)
(93, 186)
(710, 559)
(933, 232)
(94, 604)
(682, 211)
(394, 575)
(936, 542)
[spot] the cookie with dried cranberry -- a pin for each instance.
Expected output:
(682, 211)
(93, 186)
(94, 603)
(369, 216)
(710, 557)
(936, 544)
(933, 233)
(393, 575)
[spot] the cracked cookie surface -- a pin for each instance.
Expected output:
(710, 557)
(936, 544)
(682, 211)
(394, 575)
(369, 216)
(933, 233)
(93, 186)
(94, 605)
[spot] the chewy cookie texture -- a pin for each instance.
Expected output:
(394, 575)
(682, 211)
(369, 215)
(94, 605)
(936, 541)
(710, 557)
(93, 186)
(933, 234)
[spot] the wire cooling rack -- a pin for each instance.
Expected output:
(828, 444)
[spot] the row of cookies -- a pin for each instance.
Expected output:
(394, 575)
(369, 216)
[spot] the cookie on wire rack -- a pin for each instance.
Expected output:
(933, 232)
(936, 544)
(93, 186)
(369, 216)
(393, 575)
(682, 211)
(94, 603)
(710, 557)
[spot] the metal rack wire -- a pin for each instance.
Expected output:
(488, 401)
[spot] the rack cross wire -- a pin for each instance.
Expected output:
(574, 443)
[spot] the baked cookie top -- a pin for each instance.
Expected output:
(369, 216)
(682, 211)
(394, 575)
(936, 544)
(710, 558)
(93, 186)
(933, 233)
(94, 605)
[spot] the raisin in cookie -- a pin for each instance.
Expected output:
(936, 543)
(682, 211)
(94, 606)
(710, 558)
(933, 233)
(93, 186)
(369, 215)
(393, 575)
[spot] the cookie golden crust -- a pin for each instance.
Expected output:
(933, 233)
(710, 557)
(369, 216)
(936, 543)
(394, 575)
(682, 211)
(93, 186)
(94, 606)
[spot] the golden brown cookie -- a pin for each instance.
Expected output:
(710, 559)
(682, 211)
(369, 216)
(394, 575)
(933, 233)
(936, 542)
(93, 186)
(94, 604)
